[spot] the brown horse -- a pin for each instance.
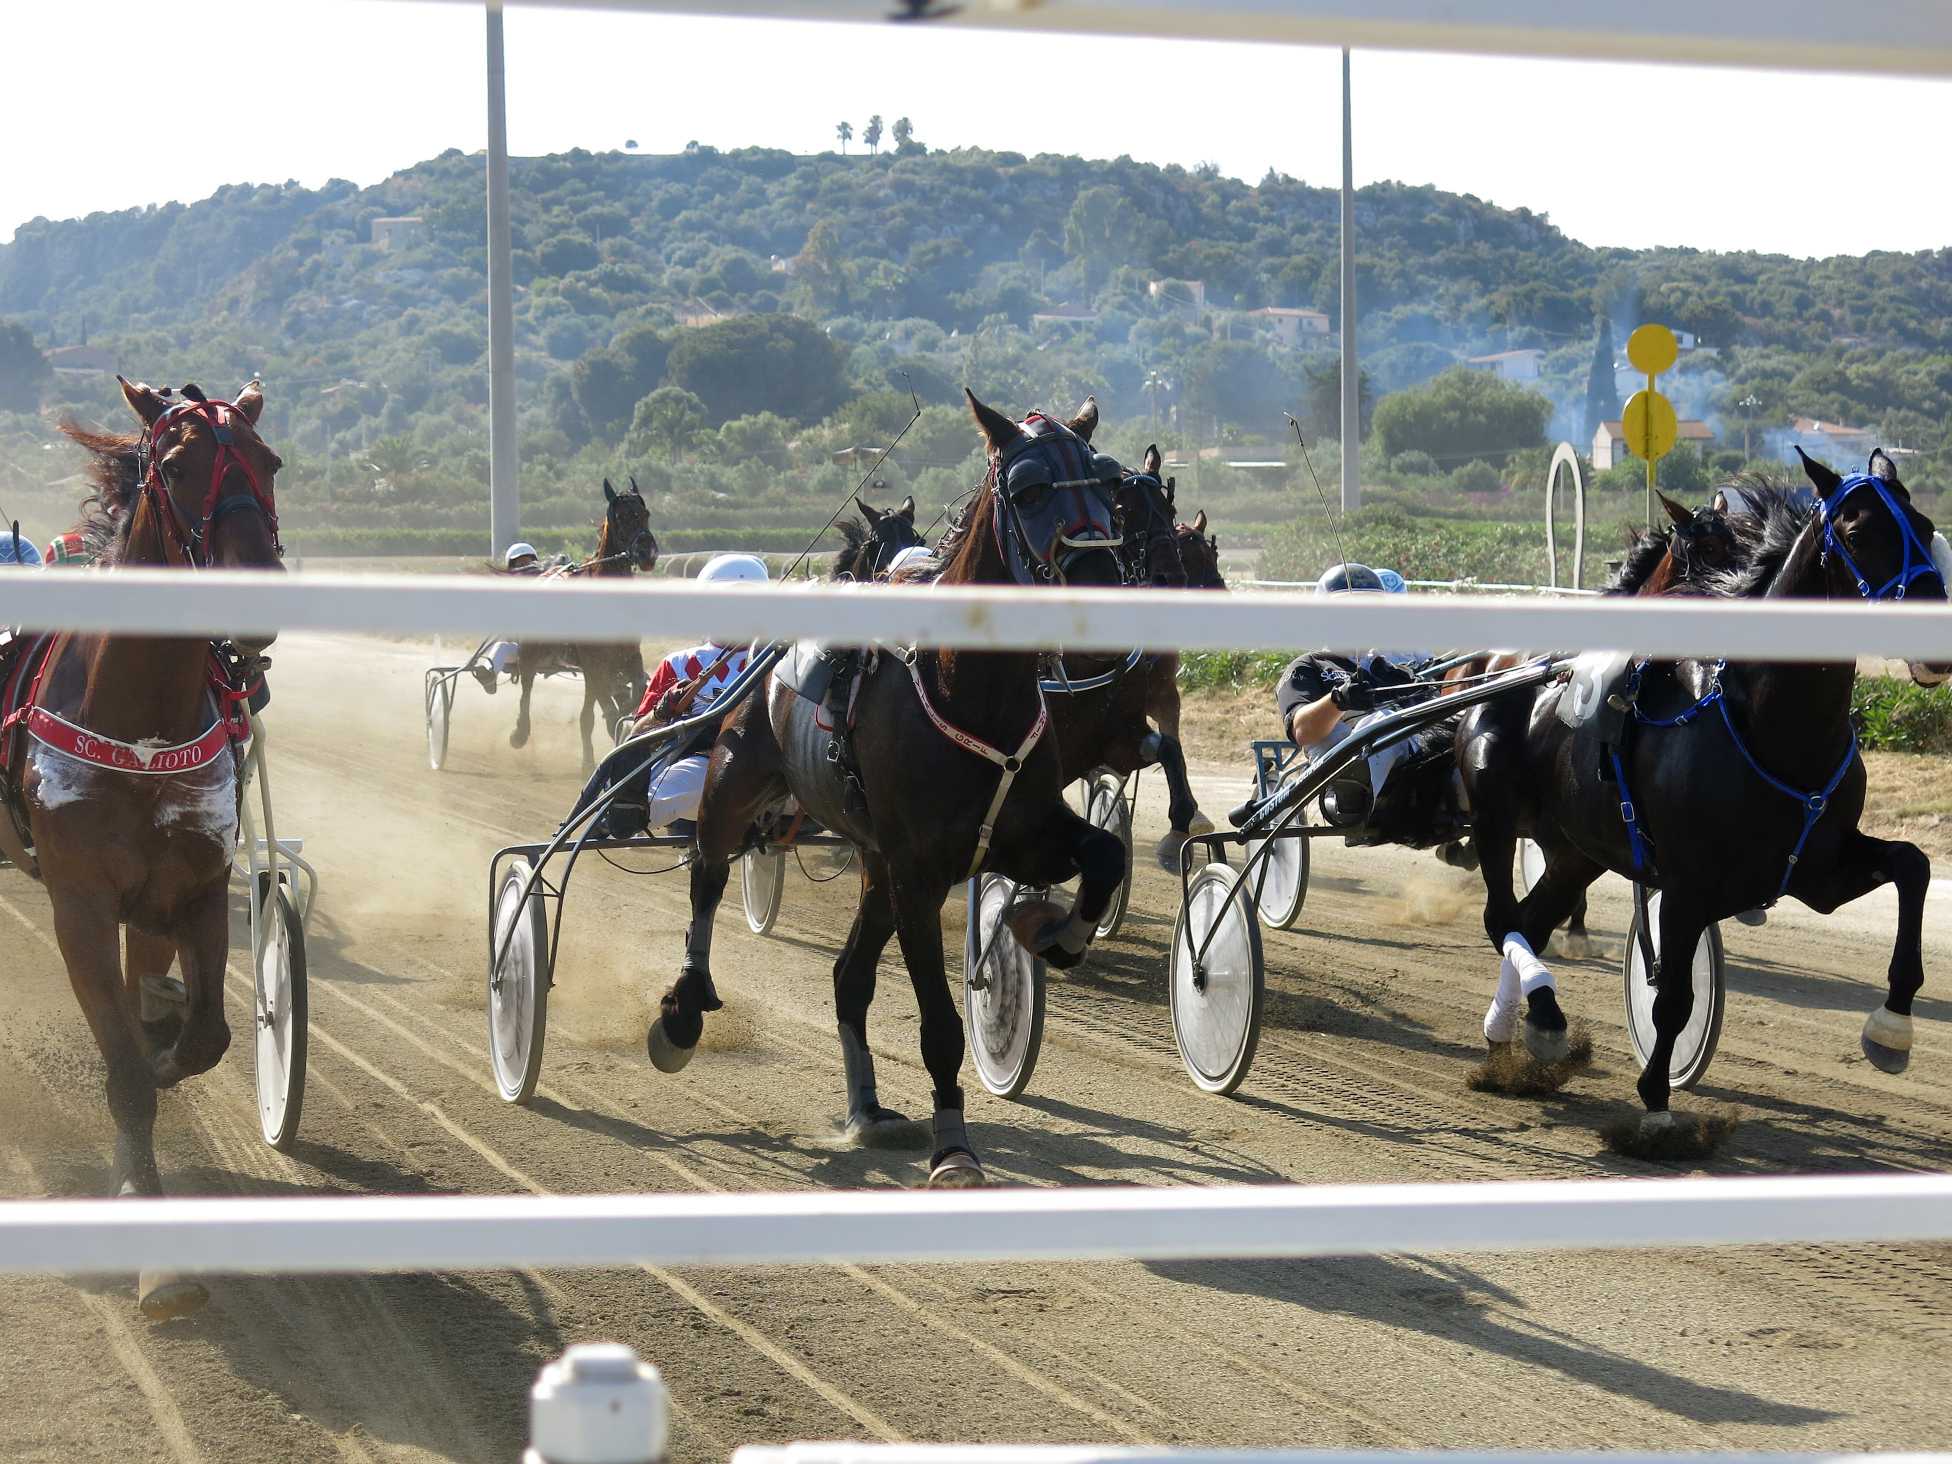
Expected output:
(613, 674)
(121, 772)
(958, 777)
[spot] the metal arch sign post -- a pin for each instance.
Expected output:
(1567, 457)
(1649, 423)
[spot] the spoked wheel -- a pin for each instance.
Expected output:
(1281, 884)
(1694, 1049)
(518, 990)
(1105, 807)
(1217, 1005)
(762, 879)
(280, 1015)
(1003, 999)
(440, 710)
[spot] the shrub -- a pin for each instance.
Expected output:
(1476, 476)
(1900, 716)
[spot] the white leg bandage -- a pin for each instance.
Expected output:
(502, 655)
(1532, 972)
(1501, 1018)
(1077, 932)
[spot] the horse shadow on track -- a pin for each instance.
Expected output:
(1751, 974)
(1457, 1305)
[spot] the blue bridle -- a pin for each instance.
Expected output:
(1918, 560)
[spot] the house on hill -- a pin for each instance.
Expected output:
(1289, 326)
(1610, 442)
(391, 234)
(1520, 365)
(1841, 446)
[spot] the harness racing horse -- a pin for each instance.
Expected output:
(613, 674)
(871, 549)
(122, 774)
(1199, 559)
(959, 778)
(1741, 782)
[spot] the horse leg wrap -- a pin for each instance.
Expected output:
(1076, 933)
(862, 1099)
(1501, 1018)
(950, 1132)
(954, 1165)
(1532, 972)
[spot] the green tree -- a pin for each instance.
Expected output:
(1101, 231)
(845, 132)
(1462, 414)
(904, 134)
(24, 372)
(566, 254)
(608, 384)
(667, 421)
(872, 137)
(1602, 394)
(760, 363)
(1321, 399)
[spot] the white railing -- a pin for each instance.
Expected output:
(421, 1233)
(981, 617)
(855, 1453)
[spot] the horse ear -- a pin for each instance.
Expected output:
(998, 430)
(143, 401)
(1199, 522)
(907, 509)
(609, 493)
(250, 401)
(1825, 481)
(633, 485)
(868, 511)
(1086, 422)
(1882, 468)
(1152, 462)
(1682, 518)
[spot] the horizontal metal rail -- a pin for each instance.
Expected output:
(813, 1227)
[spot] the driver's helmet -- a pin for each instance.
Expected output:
(913, 554)
(1343, 578)
(517, 551)
(17, 549)
(729, 568)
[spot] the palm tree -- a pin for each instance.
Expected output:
(904, 129)
(846, 133)
(872, 137)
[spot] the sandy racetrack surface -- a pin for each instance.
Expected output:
(1372, 1024)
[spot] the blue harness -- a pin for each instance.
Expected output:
(1916, 564)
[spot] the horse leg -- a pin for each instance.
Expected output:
(1863, 863)
(202, 945)
(1521, 974)
(1560, 891)
(1070, 845)
(86, 932)
(1577, 944)
(1682, 923)
(152, 993)
(918, 924)
(520, 736)
(1182, 808)
(854, 981)
(585, 721)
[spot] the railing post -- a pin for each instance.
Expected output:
(598, 1404)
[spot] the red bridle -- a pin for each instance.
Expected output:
(192, 540)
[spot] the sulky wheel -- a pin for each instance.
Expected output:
(762, 879)
(1694, 1049)
(1531, 865)
(1217, 1004)
(440, 710)
(1105, 807)
(280, 1017)
(1281, 882)
(518, 990)
(1003, 1001)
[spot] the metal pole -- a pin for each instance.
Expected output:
(1351, 382)
(504, 497)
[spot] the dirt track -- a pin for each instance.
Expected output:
(1372, 1022)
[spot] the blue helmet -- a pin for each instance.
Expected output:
(17, 549)
(1352, 578)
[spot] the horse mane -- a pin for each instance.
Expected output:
(856, 535)
(958, 550)
(1642, 560)
(1766, 533)
(108, 512)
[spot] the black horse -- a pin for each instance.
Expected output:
(873, 544)
(1743, 781)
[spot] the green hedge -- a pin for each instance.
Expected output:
(1901, 716)
(1422, 547)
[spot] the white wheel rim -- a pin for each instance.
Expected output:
(511, 998)
(1001, 1012)
(1106, 810)
(761, 873)
(1212, 1021)
(1531, 864)
(1640, 998)
(436, 724)
(273, 998)
(1278, 881)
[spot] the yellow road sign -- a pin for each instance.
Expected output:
(1649, 423)
(1652, 349)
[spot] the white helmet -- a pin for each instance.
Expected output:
(726, 568)
(516, 551)
(913, 554)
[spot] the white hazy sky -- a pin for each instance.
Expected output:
(108, 104)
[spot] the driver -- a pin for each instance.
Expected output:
(1324, 697)
(499, 659)
(685, 683)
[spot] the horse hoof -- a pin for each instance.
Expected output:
(1893, 1060)
(1654, 1125)
(163, 1296)
(883, 1128)
(1546, 1044)
(518, 739)
(957, 1169)
(666, 1056)
(1753, 918)
(1166, 852)
(1201, 824)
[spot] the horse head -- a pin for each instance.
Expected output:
(627, 527)
(1703, 539)
(1199, 551)
(1150, 550)
(1876, 543)
(889, 531)
(1051, 496)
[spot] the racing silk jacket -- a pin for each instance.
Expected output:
(720, 666)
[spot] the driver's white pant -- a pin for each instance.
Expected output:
(501, 656)
(676, 792)
(1381, 764)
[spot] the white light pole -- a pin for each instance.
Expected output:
(504, 497)
(1351, 382)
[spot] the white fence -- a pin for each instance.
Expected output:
(402, 1233)
(166, 602)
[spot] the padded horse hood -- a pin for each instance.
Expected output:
(1057, 499)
